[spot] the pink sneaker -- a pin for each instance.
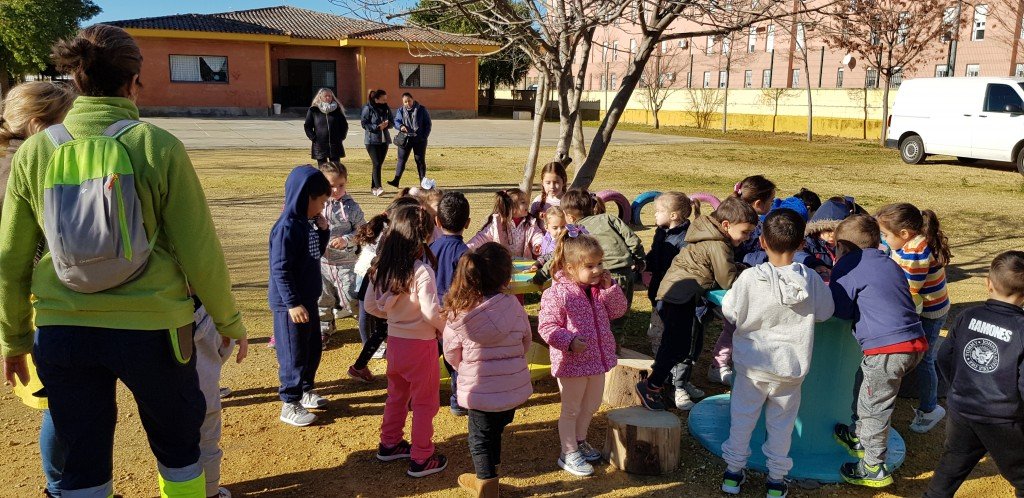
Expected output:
(363, 375)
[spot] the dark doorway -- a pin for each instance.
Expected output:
(300, 79)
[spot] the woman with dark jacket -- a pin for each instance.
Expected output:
(376, 119)
(413, 120)
(326, 127)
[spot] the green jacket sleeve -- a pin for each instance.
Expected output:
(188, 226)
(633, 242)
(19, 236)
(722, 265)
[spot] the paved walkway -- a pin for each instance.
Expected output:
(287, 133)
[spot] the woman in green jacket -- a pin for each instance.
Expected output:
(137, 332)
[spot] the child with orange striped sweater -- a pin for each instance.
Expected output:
(922, 250)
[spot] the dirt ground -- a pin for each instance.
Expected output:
(265, 458)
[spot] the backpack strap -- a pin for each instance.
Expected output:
(115, 130)
(59, 135)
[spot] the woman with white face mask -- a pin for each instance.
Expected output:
(326, 127)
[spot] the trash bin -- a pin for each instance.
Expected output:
(277, 109)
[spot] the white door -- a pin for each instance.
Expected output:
(952, 110)
(1000, 124)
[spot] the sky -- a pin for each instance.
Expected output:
(116, 10)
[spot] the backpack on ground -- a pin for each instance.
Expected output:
(92, 216)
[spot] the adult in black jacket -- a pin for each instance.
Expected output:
(326, 127)
(376, 119)
(413, 120)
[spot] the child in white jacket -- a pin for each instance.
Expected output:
(774, 306)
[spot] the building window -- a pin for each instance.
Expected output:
(801, 37)
(199, 69)
(707, 79)
(903, 29)
(769, 44)
(612, 82)
(421, 75)
(839, 78)
(796, 79)
(752, 40)
(941, 70)
(726, 45)
(632, 47)
(689, 79)
(951, 21)
(748, 78)
(723, 79)
(973, 70)
(980, 16)
(604, 53)
(871, 78)
(615, 51)
(604, 82)
(897, 78)
(711, 45)
(766, 78)
(1018, 72)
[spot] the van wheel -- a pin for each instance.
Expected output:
(1020, 163)
(966, 160)
(912, 150)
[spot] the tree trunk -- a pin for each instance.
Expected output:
(775, 117)
(725, 108)
(620, 382)
(810, 103)
(540, 107)
(639, 441)
(599, 146)
(579, 147)
(490, 95)
(657, 124)
(4, 81)
(865, 112)
(885, 112)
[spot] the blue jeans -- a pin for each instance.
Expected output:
(52, 453)
(927, 377)
(80, 367)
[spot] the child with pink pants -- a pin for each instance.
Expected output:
(575, 321)
(403, 290)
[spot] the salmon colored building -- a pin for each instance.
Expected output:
(244, 62)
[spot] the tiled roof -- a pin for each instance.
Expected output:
(297, 23)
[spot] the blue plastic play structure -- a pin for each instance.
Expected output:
(827, 398)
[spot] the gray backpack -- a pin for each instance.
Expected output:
(92, 216)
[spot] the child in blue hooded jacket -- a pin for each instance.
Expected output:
(297, 241)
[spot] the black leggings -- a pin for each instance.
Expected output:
(419, 152)
(376, 332)
(676, 341)
(378, 153)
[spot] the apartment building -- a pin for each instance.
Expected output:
(772, 54)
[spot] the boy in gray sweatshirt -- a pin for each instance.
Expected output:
(774, 306)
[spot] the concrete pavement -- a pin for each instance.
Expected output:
(287, 133)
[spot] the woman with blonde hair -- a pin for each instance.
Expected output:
(326, 127)
(28, 109)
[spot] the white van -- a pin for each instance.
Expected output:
(968, 118)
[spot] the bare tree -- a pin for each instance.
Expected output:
(658, 81)
(891, 36)
(771, 96)
(704, 103)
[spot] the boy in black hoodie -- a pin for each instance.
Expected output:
(982, 360)
(297, 241)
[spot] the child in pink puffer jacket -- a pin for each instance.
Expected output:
(486, 340)
(511, 225)
(575, 321)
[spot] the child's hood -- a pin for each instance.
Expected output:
(296, 196)
(788, 284)
(792, 203)
(703, 229)
(827, 217)
(490, 322)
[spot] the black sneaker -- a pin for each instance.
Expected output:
(844, 436)
(436, 463)
(776, 489)
(396, 452)
(393, 183)
(861, 474)
(650, 397)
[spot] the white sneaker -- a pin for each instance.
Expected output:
(575, 464)
(694, 391)
(295, 414)
(312, 400)
(924, 422)
(379, 354)
(683, 401)
(223, 493)
(377, 192)
(727, 375)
